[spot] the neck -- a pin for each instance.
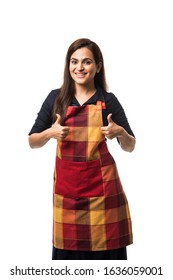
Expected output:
(82, 94)
(82, 90)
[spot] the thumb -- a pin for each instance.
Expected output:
(58, 120)
(109, 118)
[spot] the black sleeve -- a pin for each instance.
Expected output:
(44, 117)
(118, 114)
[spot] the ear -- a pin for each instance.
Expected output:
(99, 66)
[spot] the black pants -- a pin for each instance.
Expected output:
(118, 254)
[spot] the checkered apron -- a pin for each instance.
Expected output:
(91, 211)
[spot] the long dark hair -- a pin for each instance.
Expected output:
(66, 92)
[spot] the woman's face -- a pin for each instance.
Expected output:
(83, 67)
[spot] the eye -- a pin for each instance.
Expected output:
(87, 62)
(73, 62)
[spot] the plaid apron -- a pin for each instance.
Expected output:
(91, 211)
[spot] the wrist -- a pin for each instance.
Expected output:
(127, 141)
(121, 133)
(47, 134)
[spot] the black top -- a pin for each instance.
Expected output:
(44, 118)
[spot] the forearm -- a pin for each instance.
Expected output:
(38, 140)
(127, 141)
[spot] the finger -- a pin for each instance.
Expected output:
(106, 133)
(58, 120)
(109, 118)
(104, 128)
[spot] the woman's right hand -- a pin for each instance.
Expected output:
(57, 131)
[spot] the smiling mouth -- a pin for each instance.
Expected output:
(80, 75)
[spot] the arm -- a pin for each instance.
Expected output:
(38, 140)
(56, 131)
(112, 130)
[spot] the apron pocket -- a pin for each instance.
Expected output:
(78, 179)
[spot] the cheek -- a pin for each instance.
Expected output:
(71, 71)
(93, 73)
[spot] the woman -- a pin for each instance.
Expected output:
(91, 214)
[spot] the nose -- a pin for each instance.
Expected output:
(80, 66)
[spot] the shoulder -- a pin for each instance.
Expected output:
(50, 99)
(108, 96)
(111, 100)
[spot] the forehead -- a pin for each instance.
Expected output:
(82, 53)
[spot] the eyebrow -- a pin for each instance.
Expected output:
(87, 58)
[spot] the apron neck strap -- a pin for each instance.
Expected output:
(100, 105)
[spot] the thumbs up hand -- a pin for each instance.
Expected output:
(58, 131)
(112, 130)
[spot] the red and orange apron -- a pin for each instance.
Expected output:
(91, 211)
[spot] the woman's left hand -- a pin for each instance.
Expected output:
(112, 130)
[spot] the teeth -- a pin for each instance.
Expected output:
(80, 75)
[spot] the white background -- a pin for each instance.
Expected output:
(136, 38)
